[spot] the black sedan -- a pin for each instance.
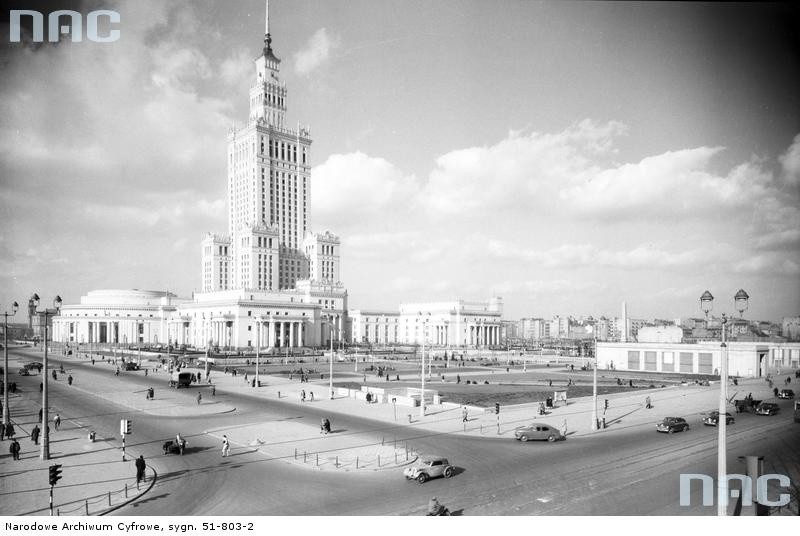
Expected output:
(672, 424)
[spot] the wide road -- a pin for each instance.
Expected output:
(628, 472)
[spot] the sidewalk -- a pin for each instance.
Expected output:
(293, 440)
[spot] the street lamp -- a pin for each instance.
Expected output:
(6, 412)
(422, 372)
(258, 347)
(330, 372)
(594, 386)
(706, 305)
(45, 451)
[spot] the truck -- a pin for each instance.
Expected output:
(180, 379)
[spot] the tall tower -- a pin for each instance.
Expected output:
(268, 185)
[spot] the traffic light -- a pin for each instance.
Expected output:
(125, 426)
(55, 474)
(497, 408)
(605, 403)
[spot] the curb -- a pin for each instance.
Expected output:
(136, 498)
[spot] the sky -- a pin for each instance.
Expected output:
(566, 156)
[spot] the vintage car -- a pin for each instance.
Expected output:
(428, 467)
(712, 417)
(768, 408)
(786, 394)
(537, 431)
(672, 424)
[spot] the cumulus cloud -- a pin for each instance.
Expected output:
(790, 162)
(316, 52)
(350, 189)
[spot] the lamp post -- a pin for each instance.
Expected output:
(706, 305)
(258, 347)
(422, 372)
(330, 372)
(45, 451)
(594, 386)
(6, 412)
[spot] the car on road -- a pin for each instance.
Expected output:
(537, 431)
(24, 372)
(672, 424)
(768, 408)
(130, 365)
(428, 467)
(786, 394)
(712, 418)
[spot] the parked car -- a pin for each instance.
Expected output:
(537, 431)
(672, 424)
(428, 467)
(24, 372)
(712, 418)
(768, 408)
(130, 365)
(786, 394)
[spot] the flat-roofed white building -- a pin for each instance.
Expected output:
(745, 359)
(117, 317)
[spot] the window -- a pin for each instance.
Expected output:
(650, 361)
(668, 362)
(633, 360)
(686, 362)
(705, 363)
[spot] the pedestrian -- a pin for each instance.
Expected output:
(549, 383)
(10, 432)
(40, 414)
(2, 431)
(14, 449)
(57, 421)
(245, 377)
(145, 372)
(630, 383)
(564, 428)
(69, 379)
(302, 395)
(465, 415)
(226, 446)
(41, 386)
(213, 390)
(647, 403)
(312, 395)
(92, 361)
(140, 466)
(199, 398)
(35, 434)
(458, 378)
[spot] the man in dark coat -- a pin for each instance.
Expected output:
(2, 431)
(35, 434)
(140, 466)
(14, 449)
(10, 431)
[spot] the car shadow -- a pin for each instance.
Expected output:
(458, 512)
(458, 470)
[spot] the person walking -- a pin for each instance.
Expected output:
(35, 434)
(69, 379)
(10, 430)
(57, 421)
(647, 403)
(213, 390)
(226, 446)
(14, 449)
(302, 395)
(140, 467)
(199, 398)
(564, 428)
(2, 431)
(465, 415)
(312, 396)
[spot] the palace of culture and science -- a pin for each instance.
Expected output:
(269, 282)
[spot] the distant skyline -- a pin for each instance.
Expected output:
(566, 156)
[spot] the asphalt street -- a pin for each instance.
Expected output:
(633, 471)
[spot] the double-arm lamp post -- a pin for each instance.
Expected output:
(706, 305)
(330, 372)
(6, 412)
(45, 451)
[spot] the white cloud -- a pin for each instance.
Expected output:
(351, 189)
(790, 162)
(316, 52)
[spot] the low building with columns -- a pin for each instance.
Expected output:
(117, 317)
(309, 315)
(458, 323)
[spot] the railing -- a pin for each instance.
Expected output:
(101, 504)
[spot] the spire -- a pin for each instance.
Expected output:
(267, 37)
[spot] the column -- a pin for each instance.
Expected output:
(291, 334)
(300, 334)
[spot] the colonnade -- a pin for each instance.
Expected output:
(272, 333)
(483, 335)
